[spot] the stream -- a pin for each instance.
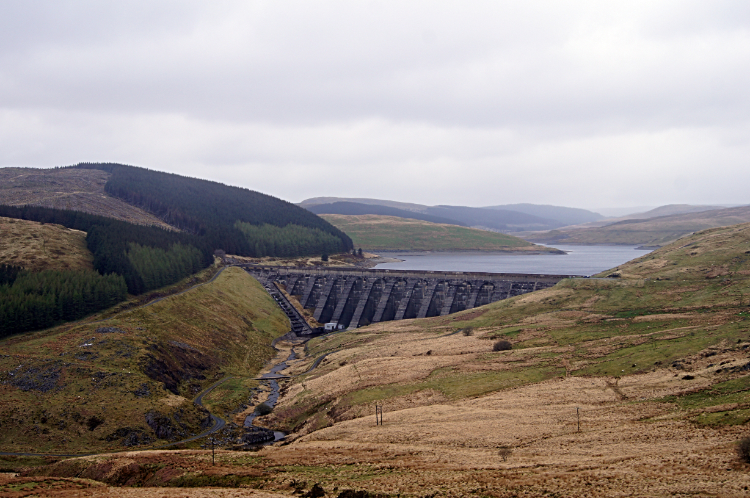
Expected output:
(271, 381)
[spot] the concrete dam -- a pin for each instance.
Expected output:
(355, 297)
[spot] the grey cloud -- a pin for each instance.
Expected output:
(543, 93)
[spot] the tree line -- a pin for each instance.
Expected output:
(37, 300)
(110, 241)
(291, 240)
(8, 273)
(158, 267)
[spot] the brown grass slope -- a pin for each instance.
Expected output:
(657, 231)
(74, 189)
(88, 386)
(36, 246)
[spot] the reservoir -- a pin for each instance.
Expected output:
(578, 260)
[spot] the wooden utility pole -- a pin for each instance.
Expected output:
(213, 452)
(578, 415)
(378, 414)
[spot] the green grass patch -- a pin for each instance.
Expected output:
(506, 333)
(223, 481)
(16, 463)
(378, 233)
(229, 395)
(731, 391)
(731, 417)
(634, 313)
(457, 385)
(645, 356)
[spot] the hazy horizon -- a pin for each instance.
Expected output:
(582, 104)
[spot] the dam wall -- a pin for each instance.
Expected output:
(356, 297)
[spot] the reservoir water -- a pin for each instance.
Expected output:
(578, 260)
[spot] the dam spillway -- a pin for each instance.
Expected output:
(356, 297)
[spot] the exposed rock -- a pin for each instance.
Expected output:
(257, 435)
(161, 424)
(174, 363)
(86, 356)
(130, 437)
(35, 378)
(111, 330)
(178, 424)
(142, 391)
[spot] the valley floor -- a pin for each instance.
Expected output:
(631, 443)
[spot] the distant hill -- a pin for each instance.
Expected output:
(406, 206)
(656, 231)
(493, 219)
(565, 215)
(673, 209)
(517, 217)
(356, 208)
(380, 233)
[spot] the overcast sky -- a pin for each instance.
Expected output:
(578, 103)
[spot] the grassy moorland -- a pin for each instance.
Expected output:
(91, 385)
(383, 233)
(37, 246)
(657, 231)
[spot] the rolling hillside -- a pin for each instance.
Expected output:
(383, 233)
(128, 381)
(563, 215)
(656, 231)
(36, 246)
(357, 209)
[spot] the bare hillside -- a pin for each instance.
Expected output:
(37, 246)
(658, 231)
(69, 188)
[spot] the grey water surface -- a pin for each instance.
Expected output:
(578, 260)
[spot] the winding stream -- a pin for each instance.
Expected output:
(272, 382)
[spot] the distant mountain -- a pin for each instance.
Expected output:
(617, 212)
(493, 219)
(673, 209)
(644, 212)
(356, 209)
(655, 231)
(496, 218)
(564, 215)
(407, 206)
